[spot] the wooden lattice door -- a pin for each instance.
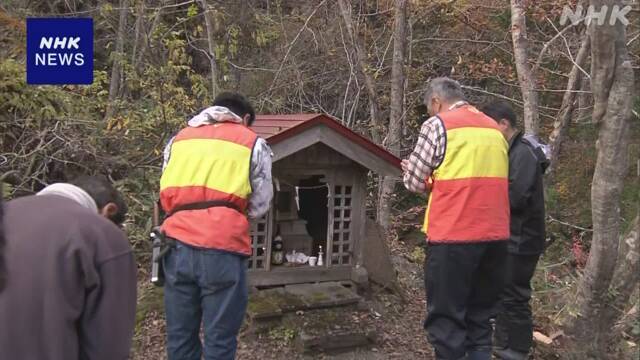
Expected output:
(261, 233)
(342, 239)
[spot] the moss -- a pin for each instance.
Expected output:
(289, 302)
(150, 302)
(415, 237)
(262, 305)
(630, 202)
(318, 296)
(340, 295)
(151, 299)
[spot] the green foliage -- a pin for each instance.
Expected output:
(267, 30)
(127, 147)
(551, 199)
(6, 190)
(150, 301)
(282, 334)
(18, 100)
(233, 33)
(106, 8)
(193, 10)
(264, 38)
(417, 255)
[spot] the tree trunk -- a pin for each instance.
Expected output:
(568, 104)
(370, 85)
(523, 68)
(591, 329)
(138, 43)
(149, 40)
(212, 48)
(626, 277)
(397, 107)
(116, 67)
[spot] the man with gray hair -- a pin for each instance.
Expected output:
(461, 161)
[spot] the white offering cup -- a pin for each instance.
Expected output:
(313, 261)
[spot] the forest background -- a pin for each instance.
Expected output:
(366, 63)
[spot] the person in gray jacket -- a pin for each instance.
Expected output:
(68, 273)
(527, 163)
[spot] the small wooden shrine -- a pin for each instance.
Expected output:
(320, 170)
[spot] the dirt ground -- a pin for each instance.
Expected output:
(396, 316)
(397, 320)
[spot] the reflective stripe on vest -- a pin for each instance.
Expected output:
(209, 163)
(469, 200)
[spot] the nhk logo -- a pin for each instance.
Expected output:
(53, 58)
(59, 51)
(599, 16)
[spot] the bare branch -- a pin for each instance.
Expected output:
(568, 103)
(293, 42)
(368, 79)
(545, 48)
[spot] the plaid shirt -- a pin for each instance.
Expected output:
(428, 153)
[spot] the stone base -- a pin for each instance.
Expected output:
(273, 303)
(268, 308)
(335, 341)
(322, 295)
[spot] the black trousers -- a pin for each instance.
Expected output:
(463, 283)
(514, 322)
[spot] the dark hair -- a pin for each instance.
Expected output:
(499, 110)
(3, 241)
(236, 103)
(103, 192)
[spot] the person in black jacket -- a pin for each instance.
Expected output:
(514, 324)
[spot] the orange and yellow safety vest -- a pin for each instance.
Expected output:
(469, 199)
(209, 163)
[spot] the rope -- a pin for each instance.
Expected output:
(298, 188)
(305, 187)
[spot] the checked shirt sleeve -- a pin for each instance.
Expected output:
(427, 155)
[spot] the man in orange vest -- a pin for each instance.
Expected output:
(461, 161)
(217, 174)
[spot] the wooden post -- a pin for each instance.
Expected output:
(328, 252)
(361, 207)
